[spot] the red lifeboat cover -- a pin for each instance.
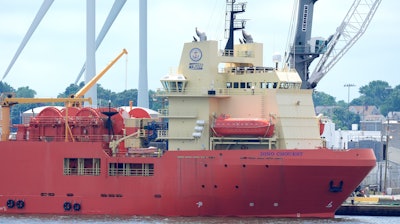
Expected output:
(244, 127)
(47, 125)
(50, 112)
(49, 116)
(139, 113)
(72, 111)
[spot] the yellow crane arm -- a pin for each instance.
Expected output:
(6, 101)
(94, 80)
(9, 101)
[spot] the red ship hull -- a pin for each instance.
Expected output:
(265, 183)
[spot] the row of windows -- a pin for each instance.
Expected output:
(91, 167)
(174, 86)
(82, 166)
(131, 169)
(179, 86)
(262, 85)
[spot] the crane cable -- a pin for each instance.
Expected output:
(290, 36)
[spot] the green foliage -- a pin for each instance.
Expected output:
(392, 103)
(5, 88)
(123, 98)
(358, 101)
(104, 96)
(342, 104)
(343, 118)
(323, 99)
(72, 89)
(375, 93)
(25, 92)
(18, 109)
(157, 101)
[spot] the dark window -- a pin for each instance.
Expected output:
(131, 169)
(82, 166)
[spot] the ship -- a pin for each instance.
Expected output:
(79, 160)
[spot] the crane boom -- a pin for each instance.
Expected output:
(9, 101)
(351, 29)
(94, 80)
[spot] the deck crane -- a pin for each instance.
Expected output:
(7, 100)
(94, 80)
(306, 49)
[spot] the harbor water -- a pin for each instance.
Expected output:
(60, 219)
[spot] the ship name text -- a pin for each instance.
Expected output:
(281, 154)
(196, 66)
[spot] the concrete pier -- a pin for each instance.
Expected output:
(371, 206)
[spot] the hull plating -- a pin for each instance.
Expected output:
(270, 183)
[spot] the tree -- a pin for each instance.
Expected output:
(343, 118)
(375, 93)
(323, 99)
(392, 102)
(72, 89)
(360, 101)
(123, 98)
(18, 109)
(25, 92)
(104, 96)
(5, 88)
(157, 101)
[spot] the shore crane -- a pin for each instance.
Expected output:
(305, 49)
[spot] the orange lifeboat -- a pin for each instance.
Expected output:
(225, 126)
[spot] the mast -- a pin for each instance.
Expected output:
(231, 25)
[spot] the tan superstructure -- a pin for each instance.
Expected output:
(210, 82)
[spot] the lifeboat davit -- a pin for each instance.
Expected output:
(224, 126)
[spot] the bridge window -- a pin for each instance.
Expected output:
(174, 83)
(248, 85)
(268, 85)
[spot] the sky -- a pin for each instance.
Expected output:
(56, 52)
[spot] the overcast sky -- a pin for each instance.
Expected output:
(54, 55)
